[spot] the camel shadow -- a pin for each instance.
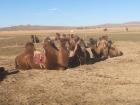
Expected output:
(4, 73)
(93, 61)
(75, 62)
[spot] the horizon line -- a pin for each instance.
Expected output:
(108, 23)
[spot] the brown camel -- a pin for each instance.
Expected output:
(56, 57)
(114, 52)
(25, 60)
(100, 49)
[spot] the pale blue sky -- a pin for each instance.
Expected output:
(68, 12)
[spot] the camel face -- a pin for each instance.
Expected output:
(29, 47)
(100, 50)
(78, 54)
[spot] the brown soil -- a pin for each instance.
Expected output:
(115, 81)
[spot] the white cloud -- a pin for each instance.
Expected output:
(53, 9)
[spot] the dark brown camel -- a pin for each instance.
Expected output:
(126, 28)
(78, 53)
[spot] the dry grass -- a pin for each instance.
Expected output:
(115, 81)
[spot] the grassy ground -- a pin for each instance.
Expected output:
(115, 81)
(12, 43)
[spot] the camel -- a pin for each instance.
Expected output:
(100, 49)
(56, 57)
(86, 54)
(78, 53)
(25, 60)
(74, 55)
(114, 52)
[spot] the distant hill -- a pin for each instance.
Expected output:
(128, 24)
(133, 23)
(34, 27)
(37, 27)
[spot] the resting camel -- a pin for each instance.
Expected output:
(86, 53)
(78, 53)
(76, 56)
(25, 60)
(56, 57)
(99, 49)
(113, 51)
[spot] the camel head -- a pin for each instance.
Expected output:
(29, 47)
(57, 36)
(105, 37)
(47, 43)
(91, 43)
(102, 44)
(103, 48)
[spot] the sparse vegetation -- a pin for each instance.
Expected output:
(110, 82)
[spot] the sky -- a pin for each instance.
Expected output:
(67, 12)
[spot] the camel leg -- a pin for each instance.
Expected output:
(62, 68)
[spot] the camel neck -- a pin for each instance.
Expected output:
(29, 52)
